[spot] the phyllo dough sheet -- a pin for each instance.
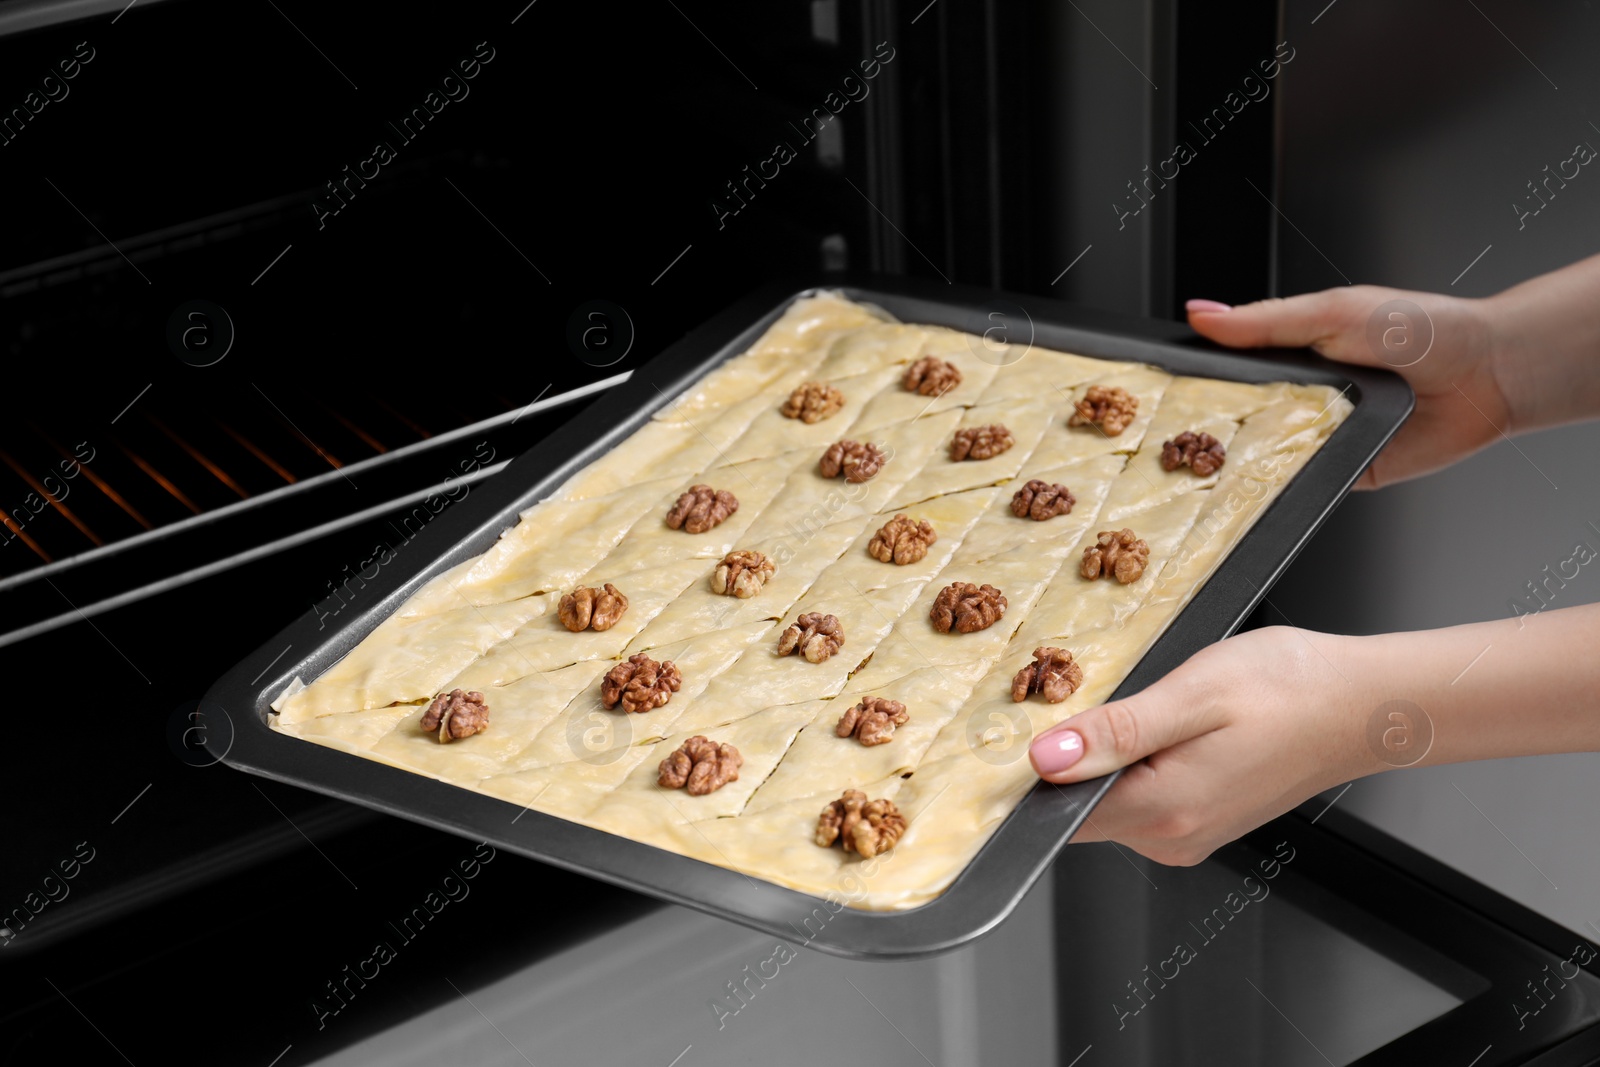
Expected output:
(959, 765)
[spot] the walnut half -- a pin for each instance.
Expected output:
(965, 608)
(813, 635)
(868, 827)
(700, 766)
(902, 540)
(640, 684)
(1115, 552)
(872, 721)
(742, 572)
(931, 376)
(455, 715)
(856, 460)
(980, 442)
(1200, 452)
(1052, 673)
(1109, 407)
(812, 402)
(585, 608)
(701, 508)
(1039, 500)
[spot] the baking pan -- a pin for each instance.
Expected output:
(234, 713)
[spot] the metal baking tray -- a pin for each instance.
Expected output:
(234, 713)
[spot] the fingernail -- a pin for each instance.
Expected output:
(1206, 306)
(1054, 752)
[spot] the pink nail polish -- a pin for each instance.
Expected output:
(1206, 306)
(1054, 752)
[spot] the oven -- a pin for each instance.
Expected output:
(282, 284)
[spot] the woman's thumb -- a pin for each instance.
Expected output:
(1103, 739)
(1306, 320)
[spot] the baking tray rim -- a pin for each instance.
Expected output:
(1028, 838)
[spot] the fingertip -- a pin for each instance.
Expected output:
(1054, 753)
(1223, 324)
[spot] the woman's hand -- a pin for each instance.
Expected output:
(1461, 406)
(1251, 726)
(1239, 734)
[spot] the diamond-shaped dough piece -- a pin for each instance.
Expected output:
(1073, 603)
(872, 348)
(352, 731)
(1027, 423)
(651, 543)
(823, 765)
(585, 729)
(807, 500)
(799, 556)
(773, 432)
(661, 449)
(993, 728)
(568, 790)
(552, 544)
(1065, 444)
(1001, 536)
(1243, 494)
(410, 658)
(516, 713)
(915, 643)
(544, 644)
(951, 517)
(897, 404)
(796, 343)
(1201, 405)
(762, 678)
(952, 807)
(812, 323)
(1028, 372)
(1150, 485)
(762, 739)
(784, 837)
